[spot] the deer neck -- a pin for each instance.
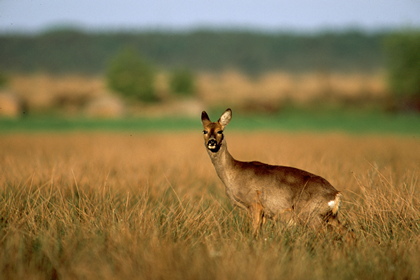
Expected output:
(223, 163)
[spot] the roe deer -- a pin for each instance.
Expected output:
(269, 191)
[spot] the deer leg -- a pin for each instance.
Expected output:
(258, 217)
(256, 211)
(287, 216)
(343, 230)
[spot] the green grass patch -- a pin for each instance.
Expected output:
(352, 122)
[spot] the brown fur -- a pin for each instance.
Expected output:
(270, 191)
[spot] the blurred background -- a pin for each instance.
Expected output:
(165, 59)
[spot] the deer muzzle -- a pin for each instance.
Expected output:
(212, 144)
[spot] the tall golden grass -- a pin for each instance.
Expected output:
(150, 206)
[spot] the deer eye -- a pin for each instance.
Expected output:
(205, 131)
(220, 132)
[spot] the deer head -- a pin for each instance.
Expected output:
(213, 131)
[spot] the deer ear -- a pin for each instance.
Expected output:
(225, 117)
(205, 118)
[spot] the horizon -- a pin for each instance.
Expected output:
(198, 29)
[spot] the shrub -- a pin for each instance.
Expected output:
(3, 79)
(132, 76)
(403, 67)
(182, 82)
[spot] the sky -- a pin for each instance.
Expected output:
(298, 15)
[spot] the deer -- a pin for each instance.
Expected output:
(270, 191)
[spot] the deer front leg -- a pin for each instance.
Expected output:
(257, 216)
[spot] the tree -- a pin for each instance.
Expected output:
(182, 82)
(3, 80)
(132, 76)
(403, 67)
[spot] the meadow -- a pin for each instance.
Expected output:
(132, 205)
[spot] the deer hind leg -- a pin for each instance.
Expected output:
(287, 216)
(344, 230)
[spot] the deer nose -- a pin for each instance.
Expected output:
(212, 142)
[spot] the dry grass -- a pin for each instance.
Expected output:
(72, 94)
(108, 206)
(42, 91)
(278, 87)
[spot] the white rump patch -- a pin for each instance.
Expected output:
(335, 204)
(331, 203)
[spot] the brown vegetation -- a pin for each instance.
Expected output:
(44, 92)
(273, 89)
(9, 105)
(266, 93)
(150, 206)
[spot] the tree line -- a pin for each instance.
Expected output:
(76, 51)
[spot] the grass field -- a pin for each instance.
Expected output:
(353, 121)
(122, 205)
